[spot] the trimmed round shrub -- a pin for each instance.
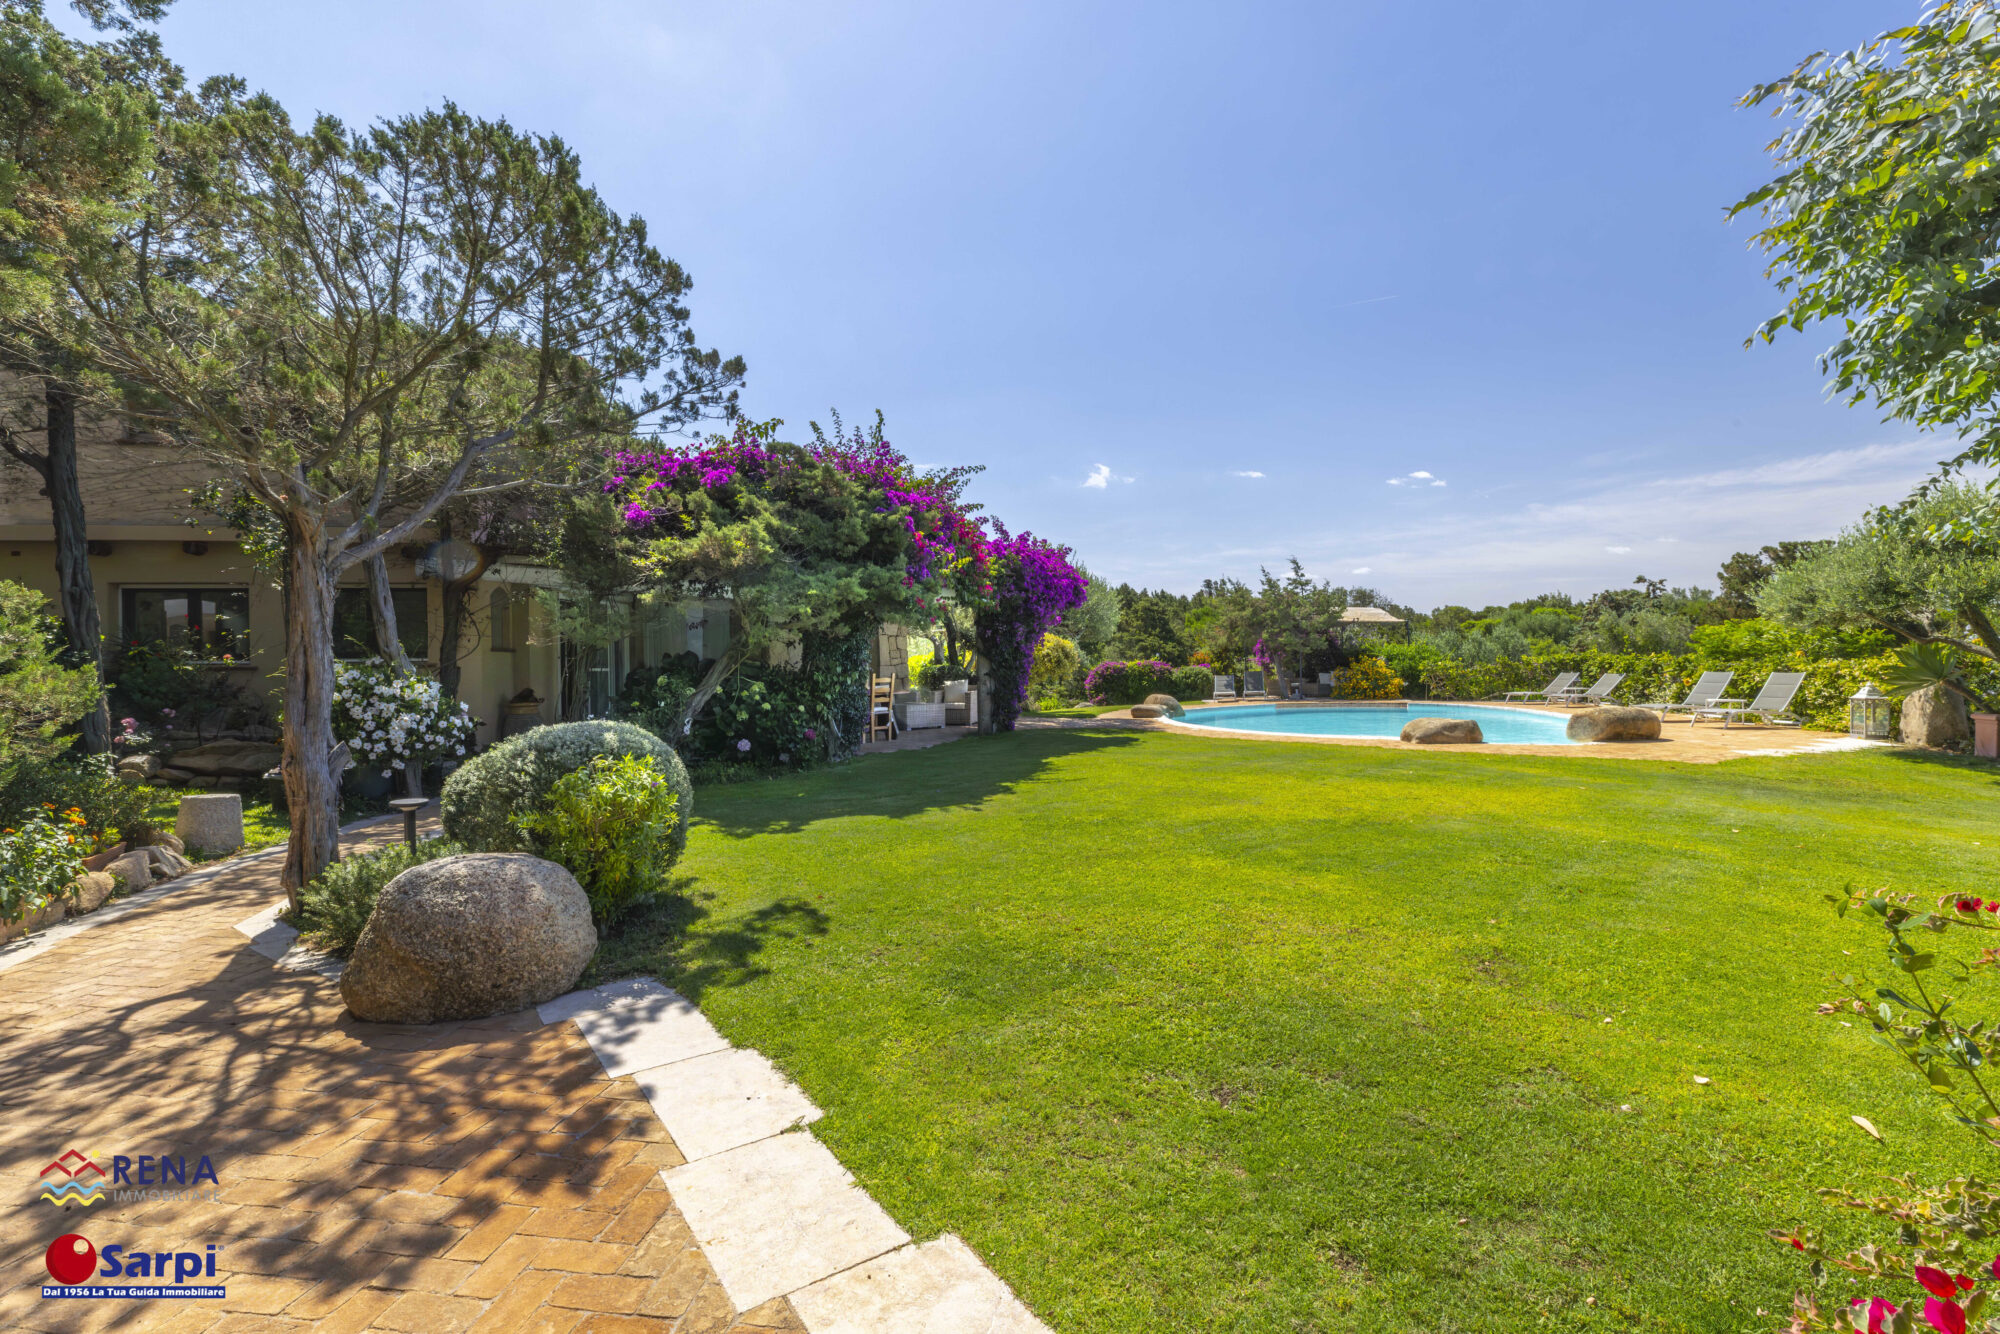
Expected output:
(481, 801)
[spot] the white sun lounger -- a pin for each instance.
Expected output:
(1547, 692)
(1771, 702)
(1707, 694)
(1601, 687)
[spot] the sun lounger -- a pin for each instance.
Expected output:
(1547, 693)
(1253, 685)
(1771, 702)
(1707, 694)
(1601, 687)
(1225, 688)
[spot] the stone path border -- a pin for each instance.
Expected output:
(772, 1209)
(16, 952)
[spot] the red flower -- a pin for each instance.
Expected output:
(1995, 1266)
(1936, 1282)
(1944, 1316)
(1968, 905)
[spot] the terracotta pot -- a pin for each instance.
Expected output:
(1986, 735)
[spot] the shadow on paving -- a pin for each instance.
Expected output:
(163, 1034)
(894, 786)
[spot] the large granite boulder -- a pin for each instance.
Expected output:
(1148, 711)
(1442, 731)
(228, 759)
(1614, 722)
(1935, 717)
(465, 937)
(211, 823)
(1168, 706)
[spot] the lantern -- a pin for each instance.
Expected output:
(1869, 714)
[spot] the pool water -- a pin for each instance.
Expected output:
(1501, 726)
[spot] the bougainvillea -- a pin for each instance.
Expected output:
(837, 537)
(1032, 584)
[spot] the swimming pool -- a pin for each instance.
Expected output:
(1500, 725)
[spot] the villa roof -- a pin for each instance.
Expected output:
(1370, 615)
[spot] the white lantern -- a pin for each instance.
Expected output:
(1871, 714)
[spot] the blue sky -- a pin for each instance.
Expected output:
(1437, 297)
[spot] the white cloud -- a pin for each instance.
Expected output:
(1102, 477)
(1395, 481)
(1418, 476)
(1437, 483)
(1361, 569)
(1246, 474)
(1618, 551)
(1421, 475)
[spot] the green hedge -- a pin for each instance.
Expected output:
(1654, 677)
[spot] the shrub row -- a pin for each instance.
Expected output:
(1655, 677)
(1130, 682)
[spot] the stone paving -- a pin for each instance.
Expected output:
(504, 1174)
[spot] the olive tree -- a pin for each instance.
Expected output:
(1910, 573)
(1881, 219)
(358, 325)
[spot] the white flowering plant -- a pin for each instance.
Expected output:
(395, 722)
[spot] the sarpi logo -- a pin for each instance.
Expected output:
(72, 1259)
(75, 1179)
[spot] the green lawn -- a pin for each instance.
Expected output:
(1191, 1034)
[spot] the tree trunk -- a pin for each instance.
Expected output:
(78, 593)
(985, 722)
(311, 788)
(382, 614)
(711, 681)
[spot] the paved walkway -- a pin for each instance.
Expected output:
(505, 1174)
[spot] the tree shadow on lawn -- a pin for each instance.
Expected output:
(1944, 759)
(657, 938)
(901, 783)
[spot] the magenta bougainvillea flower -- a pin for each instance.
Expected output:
(1879, 1312)
(1943, 1315)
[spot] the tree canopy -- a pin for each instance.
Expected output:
(1880, 220)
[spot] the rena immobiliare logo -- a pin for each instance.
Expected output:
(73, 1261)
(74, 1179)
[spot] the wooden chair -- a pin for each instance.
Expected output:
(881, 709)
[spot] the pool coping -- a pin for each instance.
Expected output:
(1709, 746)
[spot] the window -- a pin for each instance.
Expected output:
(212, 622)
(354, 624)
